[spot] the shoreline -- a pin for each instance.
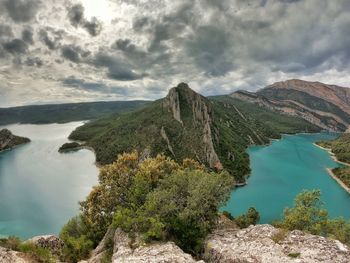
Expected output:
(330, 171)
(331, 154)
(340, 182)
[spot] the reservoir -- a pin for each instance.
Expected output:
(39, 187)
(282, 170)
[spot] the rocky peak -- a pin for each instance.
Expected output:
(192, 109)
(182, 101)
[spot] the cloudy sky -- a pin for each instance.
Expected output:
(86, 50)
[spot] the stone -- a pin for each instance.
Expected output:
(258, 244)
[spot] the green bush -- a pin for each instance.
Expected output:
(251, 217)
(11, 242)
(38, 254)
(308, 214)
(77, 244)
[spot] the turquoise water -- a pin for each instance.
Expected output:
(282, 170)
(39, 187)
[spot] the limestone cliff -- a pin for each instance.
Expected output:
(182, 100)
(8, 140)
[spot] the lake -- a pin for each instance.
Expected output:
(39, 187)
(282, 170)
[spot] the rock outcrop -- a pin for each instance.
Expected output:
(8, 140)
(126, 251)
(9, 256)
(327, 106)
(266, 244)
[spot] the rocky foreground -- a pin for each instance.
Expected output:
(8, 140)
(255, 244)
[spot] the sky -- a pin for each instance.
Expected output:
(55, 51)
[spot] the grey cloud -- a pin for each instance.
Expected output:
(117, 69)
(15, 46)
(22, 10)
(140, 23)
(36, 61)
(210, 50)
(76, 18)
(76, 14)
(74, 53)
(27, 36)
(51, 37)
(93, 27)
(5, 31)
(82, 84)
(129, 49)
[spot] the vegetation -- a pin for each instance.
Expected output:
(33, 252)
(155, 198)
(69, 146)
(308, 214)
(234, 126)
(341, 148)
(61, 113)
(251, 217)
(343, 173)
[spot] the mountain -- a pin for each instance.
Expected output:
(215, 131)
(8, 140)
(61, 113)
(327, 106)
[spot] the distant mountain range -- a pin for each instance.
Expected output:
(327, 106)
(61, 113)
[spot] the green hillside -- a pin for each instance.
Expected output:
(341, 148)
(214, 131)
(61, 113)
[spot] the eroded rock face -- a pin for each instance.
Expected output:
(264, 243)
(201, 112)
(9, 256)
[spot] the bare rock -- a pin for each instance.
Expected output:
(9, 256)
(264, 243)
(125, 251)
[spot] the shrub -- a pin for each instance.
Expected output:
(11, 242)
(38, 254)
(308, 214)
(228, 215)
(77, 244)
(251, 217)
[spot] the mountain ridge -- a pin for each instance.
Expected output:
(327, 106)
